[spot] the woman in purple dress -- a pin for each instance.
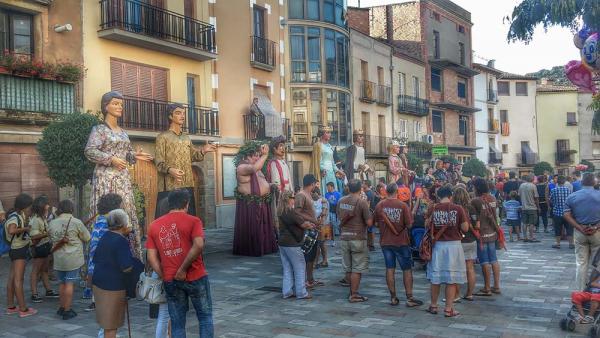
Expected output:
(110, 149)
(254, 233)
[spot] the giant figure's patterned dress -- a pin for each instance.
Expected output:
(102, 145)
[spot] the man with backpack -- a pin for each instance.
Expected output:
(393, 217)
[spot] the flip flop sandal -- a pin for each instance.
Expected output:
(451, 313)
(496, 291)
(344, 282)
(324, 265)
(395, 301)
(357, 299)
(318, 283)
(411, 302)
(432, 309)
(468, 298)
(483, 293)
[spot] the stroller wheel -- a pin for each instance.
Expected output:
(571, 325)
(563, 324)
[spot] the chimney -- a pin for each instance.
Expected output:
(492, 63)
(389, 23)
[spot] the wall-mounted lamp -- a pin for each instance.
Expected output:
(283, 22)
(63, 28)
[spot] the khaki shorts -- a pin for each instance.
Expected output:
(530, 217)
(355, 256)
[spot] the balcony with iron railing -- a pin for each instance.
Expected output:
(150, 115)
(35, 95)
(421, 150)
(368, 91)
(412, 105)
(263, 53)
(376, 145)
(143, 25)
(384, 95)
(564, 157)
(254, 127)
(527, 159)
(492, 96)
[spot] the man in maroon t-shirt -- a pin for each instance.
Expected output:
(394, 219)
(175, 243)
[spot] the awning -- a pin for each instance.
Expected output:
(273, 127)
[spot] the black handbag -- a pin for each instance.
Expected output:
(41, 251)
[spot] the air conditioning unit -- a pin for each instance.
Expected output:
(427, 138)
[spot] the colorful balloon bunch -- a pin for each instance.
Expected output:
(581, 72)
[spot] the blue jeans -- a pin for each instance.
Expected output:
(178, 295)
(486, 253)
(294, 269)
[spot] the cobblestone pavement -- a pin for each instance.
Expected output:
(536, 284)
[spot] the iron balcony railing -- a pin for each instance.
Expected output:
(254, 127)
(413, 105)
(140, 18)
(564, 157)
(148, 114)
(376, 145)
(263, 52)
(527, 159)
(420, 150)
(367, 91)
(384, 95)
(492, 95)
(36, 95)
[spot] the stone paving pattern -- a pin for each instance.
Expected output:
(536, 285)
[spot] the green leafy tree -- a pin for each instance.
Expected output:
(590, 166)
(474, 167)
(415, 164)
(449, 158)
(556, 73)
(61, 149)
(542, 167)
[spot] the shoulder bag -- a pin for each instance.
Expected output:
(429, 239)
(149, 288)
(64, 240)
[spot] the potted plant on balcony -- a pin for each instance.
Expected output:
(46, 71)
(6, 62)
(69, 72)
(23, 67)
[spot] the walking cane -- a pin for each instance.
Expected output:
(128, 323)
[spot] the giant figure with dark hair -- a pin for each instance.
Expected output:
(110, 149)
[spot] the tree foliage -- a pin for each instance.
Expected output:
(474, 167)
(415, 164)
(556, 73)
(449, 158)
(542, 167)
(590, 166)
(565, 13)
(61, 149)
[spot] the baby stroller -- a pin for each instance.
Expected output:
(570, 322)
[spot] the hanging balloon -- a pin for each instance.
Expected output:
(583, 34)
(578, 41)
(589, 52)
(580, 76)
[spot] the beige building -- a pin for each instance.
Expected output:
(249, 67)
(487, 121)
(518, 122)
(34, 31)
(372, 107)
(410, 96)
(589, 142)
(156, 52)
(557, 125)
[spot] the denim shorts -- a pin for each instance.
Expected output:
(402, 254)
(68, 276)
(514, 223)
(486, 252)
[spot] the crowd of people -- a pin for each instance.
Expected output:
(58, 246)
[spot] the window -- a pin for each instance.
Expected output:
(436, 44)
(462, 88)
(403, 129)
(436, 16)
(328, 11)
(503, 88)
(341, 52)
(330, 56)
(339, 13)
(596, 148)
(463, 128)
(562, 146)
(296, 9)
(16, 32)
(417, 130)
(416, 86)
(460, 29)
(436, 80)
(503, 116)
(571, 119)
(259, 21)
(437, 123)
(297, 54)
(313, 10)
(136, 80)
(521, 88)
(380, 76)
(314, 55)
(461, 53)
(402, 83)
(505, 148)
(366, 123)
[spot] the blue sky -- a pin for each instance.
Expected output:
(552, 48)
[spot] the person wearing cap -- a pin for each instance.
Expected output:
(174, 156)
(356, 164)
(322, 163)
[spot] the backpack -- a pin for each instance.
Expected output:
(5, 243)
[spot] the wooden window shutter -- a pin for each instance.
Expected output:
(131, 82)
(117, 71)
(159, 84)
(145, 83)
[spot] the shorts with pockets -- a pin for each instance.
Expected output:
(67, 276)
(530, 217)
(486, 252)
(514, 223)
(21, 253)
(355, 256)
(402, 254)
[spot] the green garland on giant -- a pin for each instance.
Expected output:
(249, 148)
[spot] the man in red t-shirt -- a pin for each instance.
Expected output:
(394, 219)
(175, 243)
